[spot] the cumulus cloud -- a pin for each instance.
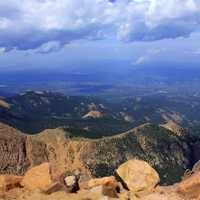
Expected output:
(159, 19)
(39, 24)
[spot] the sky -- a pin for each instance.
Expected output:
(49, 33)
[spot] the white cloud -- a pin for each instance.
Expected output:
(159, 19)
(34, 23)
(37, 22)
(141, 60)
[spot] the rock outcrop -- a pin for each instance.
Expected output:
(38, 177)
(93, 114)
(175, 128)
(104, 188)
(190, 188)
(107, 181)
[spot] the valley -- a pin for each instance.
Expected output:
(96, 117)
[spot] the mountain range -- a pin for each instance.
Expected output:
(96, 117)
(96, 135)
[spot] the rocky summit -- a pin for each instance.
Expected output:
(139, 181)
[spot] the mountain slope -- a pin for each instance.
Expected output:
(169, 154)
(18, 151)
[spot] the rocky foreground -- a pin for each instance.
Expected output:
(133, 180)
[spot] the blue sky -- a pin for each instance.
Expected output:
(49, 33)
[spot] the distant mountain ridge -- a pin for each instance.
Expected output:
(34, 111)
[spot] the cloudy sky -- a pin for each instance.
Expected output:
(48, 32)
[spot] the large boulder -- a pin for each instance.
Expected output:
(38, 177)
(138, 175)
(8, 182)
